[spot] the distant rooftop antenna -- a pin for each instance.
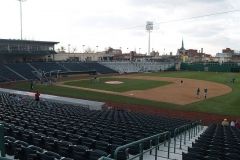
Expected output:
(20, 1)
(149, 28)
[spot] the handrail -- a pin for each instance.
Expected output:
(189, 127)
(175, 134)
(167, 137)
(140, 142)
(103, 158)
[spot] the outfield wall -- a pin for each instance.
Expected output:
(211, 67)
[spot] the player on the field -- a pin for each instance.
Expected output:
(198, 93)
(205, 93)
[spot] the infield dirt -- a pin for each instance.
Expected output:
(178, 93)
(175, 92)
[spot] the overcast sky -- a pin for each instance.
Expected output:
(121, 23)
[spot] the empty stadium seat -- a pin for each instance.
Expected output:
(50, 130)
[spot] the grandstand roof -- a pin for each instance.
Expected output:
(26, 41)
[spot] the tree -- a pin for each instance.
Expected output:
(109, 50)
(62, 49)
(74, 49)
(89, 50)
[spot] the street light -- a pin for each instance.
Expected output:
(139, 50)
(21, 26)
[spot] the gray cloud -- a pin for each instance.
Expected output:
(122, 22)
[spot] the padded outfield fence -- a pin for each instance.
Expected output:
(211, 67)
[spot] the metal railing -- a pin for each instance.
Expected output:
(193, 129)
(140, 143)
(2, 147)
(157, 137)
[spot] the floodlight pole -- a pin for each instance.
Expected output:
(149, 41)
(149, 28)
(21, 26)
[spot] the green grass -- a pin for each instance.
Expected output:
(225, 105)
(127, 85)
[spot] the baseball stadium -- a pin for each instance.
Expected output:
(113, 109)
(119, 103)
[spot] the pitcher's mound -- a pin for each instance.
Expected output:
(113, 82)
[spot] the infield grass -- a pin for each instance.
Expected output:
(126, 85)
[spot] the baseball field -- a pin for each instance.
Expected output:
(162, 90)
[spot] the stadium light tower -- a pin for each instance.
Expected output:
(149, 28)
(20, 1)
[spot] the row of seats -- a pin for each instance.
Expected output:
(60, 128)
(133, 67)
(22, 150)
(8, 75)
(23, 69)
(216, 143)
(27, 69)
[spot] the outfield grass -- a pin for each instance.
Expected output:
(127, 85)
(226, 105)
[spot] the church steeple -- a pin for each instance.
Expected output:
(182, 50)
(182, 45)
